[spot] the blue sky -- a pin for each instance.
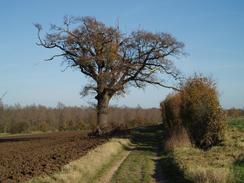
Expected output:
(211, 30)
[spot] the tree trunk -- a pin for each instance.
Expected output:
(102, 112)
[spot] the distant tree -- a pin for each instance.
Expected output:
(233, 112)
(1, 111)
(60, 105)
(1, 105)
(1, 116)
(1, 97)
(111, 59)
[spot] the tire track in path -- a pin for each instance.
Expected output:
(143, 164)
(107, 176)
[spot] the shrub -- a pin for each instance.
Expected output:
(176, 135)
(201, 112)
(18, 127)
(176, 139)
(196, 108)
(81, 125)
(170, 108)
(44, 126)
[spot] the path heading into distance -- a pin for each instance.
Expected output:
(142, 161)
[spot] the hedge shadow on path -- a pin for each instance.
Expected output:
(150, 138)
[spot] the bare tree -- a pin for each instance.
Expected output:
(112, 60)
(3, 95)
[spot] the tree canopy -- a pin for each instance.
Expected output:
(111, 59)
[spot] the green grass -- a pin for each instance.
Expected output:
(238, 170)
(238, 166)
(147, 159)
(136, 168)
(139, 165)
(237, 123)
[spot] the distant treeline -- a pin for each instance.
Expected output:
(234, 112)
(19, 119)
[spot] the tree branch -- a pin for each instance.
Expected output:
(157, 83)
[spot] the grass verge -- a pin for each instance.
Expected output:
(220, 164)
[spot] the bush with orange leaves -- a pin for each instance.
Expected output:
(170, 108)
(196, 107)
(175, 134)
(201, 112)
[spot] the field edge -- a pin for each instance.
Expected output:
(94, 164)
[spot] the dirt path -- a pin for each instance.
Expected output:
(143, 164)
(106, 178)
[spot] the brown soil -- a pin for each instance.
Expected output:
(24, 157)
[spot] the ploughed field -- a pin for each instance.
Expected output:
(23, 157)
